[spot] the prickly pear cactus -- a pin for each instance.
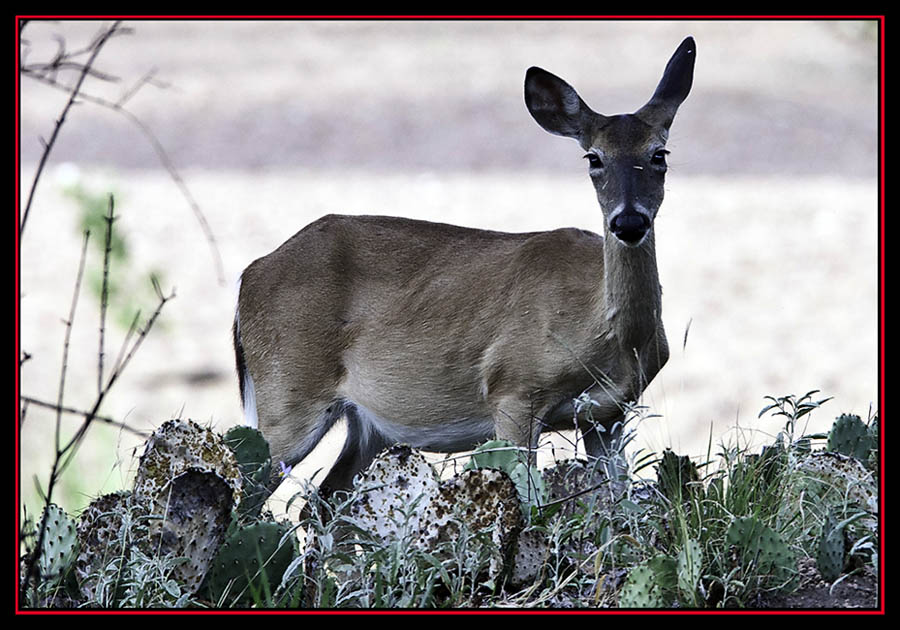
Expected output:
(850, 436)
(532, 551)
(395, 491)
(479, 499)
(101, 540)
(571, 478)
(250, 563)
(400, 496)
(831, 555)
(690, 567)
(650, 585)
(845, 475)
(181, 445)
(254, 461)
(59, 545)
(761, 551)
(194, 516)
(503, 455)
(190, 481)
(677, 476)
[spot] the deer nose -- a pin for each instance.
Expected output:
(630, 226)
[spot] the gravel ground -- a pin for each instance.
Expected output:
(767, 241)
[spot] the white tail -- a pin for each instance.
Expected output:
(442, 336)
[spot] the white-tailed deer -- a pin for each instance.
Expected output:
(441, 336)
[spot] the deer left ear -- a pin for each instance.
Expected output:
(556, 106)
(673, 88)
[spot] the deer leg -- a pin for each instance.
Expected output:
(517, 421)
(361, 446)
(603, 444)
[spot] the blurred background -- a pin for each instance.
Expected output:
(767, 241)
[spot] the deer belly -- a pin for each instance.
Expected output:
(422, 403)
(449, 435)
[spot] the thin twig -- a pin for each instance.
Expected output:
(68, 336)
(145, 80)
(142, 333)
(69, 449)
(79, 412)
(48, 146)
(131, 329)
(104, 293)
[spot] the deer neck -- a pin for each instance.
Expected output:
(632, 297)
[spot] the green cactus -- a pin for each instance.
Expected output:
(59, 546)
(250, 563)
(690, 564)
(850, 436)
(761, 551)
(677, 476)
(831, 553)
(650, 584)
(254, 461)
(872, 463)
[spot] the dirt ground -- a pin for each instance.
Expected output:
(767, 241)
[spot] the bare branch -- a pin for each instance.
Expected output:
(120, 365)
(104, 293)
(68, 336)
(79, 412)
(69, 449)
(41, 70)
(145, 80)
(101, 39)
(35, 72)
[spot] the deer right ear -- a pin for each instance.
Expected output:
(556, 106)
(674, 86)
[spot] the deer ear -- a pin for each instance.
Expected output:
(673, 88)
(556, 106)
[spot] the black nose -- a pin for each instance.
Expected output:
(630, 227)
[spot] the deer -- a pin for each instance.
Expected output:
(442, 337)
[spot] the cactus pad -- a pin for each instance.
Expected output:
(503, 455)
(178, 446)
(831, 555)
(255, 464)
(395, 490)
(250, 562)
(677, 476)
(760, 550)
(59, 544)
(649, 585)
(850, 436)
(100, 539)
(190, 522)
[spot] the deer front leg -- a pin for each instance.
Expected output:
(516, 420)
(603, 443)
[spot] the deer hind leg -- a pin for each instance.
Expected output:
(362, 444)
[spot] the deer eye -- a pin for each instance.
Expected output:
(659, 158)
(593, 160)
